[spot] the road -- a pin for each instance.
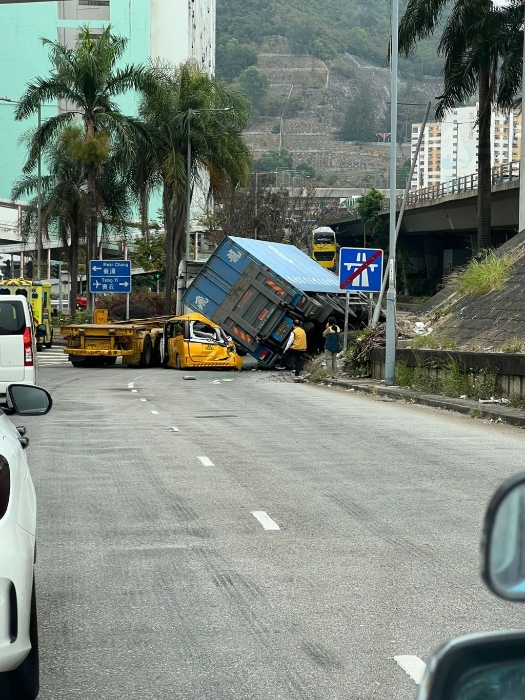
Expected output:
(156, 581)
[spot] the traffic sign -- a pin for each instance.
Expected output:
(360, 269)
(110, 276)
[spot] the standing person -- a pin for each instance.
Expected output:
(296, 347)
(331, 346)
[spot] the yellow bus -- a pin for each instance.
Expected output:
(324, 247)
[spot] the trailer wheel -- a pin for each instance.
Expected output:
(178, 363)
(50, 344)
(145, 355)
(156, 357)
(78, 361)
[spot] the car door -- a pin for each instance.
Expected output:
(22, 488)
(206, 343)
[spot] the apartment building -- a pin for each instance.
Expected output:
(449, 149)
(171, 30)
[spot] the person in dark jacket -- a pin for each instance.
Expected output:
(331, 346)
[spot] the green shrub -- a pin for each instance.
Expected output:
(485, 273)
(62, 319)
(450, 379)
(513, 345)
(432, 341)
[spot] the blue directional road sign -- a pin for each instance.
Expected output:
(110, 276)
(360, 269)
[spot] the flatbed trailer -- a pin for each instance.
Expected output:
(137, 342)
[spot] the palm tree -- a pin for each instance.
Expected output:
(88, 78)
(473, 49)
(219, 155)
(64, 200)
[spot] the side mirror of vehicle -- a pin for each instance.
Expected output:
(28, 400)
(41, 329)
(503, 541)
(476, 666)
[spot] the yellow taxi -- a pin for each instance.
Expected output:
(193, 340)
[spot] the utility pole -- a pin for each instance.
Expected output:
(390, 351)
(521, 215)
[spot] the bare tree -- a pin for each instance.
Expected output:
(282, 215)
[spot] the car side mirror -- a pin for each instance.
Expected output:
(489, 666)
(503, 541)
(28, 400)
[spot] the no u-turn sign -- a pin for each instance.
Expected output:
(360, 269)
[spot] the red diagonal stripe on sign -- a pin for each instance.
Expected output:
(359, 270)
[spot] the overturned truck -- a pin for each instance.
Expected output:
(255, 290)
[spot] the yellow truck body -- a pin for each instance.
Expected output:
(39, 296)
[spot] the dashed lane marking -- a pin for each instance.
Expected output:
(413, 666)
(156, 413)
(143, 399)
(206, 462)
(174, 430)
(265, 520)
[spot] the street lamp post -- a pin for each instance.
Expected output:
(38, 191)
(188, 172)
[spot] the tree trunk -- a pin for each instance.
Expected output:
(73, 271)
(91, 228)
(484, 164)
(167, 198)
(144, 211)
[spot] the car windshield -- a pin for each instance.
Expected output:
(12, 318)
(205, 333)
(322, 238)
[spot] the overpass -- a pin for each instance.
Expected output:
(440, 222)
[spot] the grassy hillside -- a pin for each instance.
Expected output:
(320, 28)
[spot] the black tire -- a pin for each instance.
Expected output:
(39, 347)
(156, 359)
(78, 361)
(110, 360)
(147, 351)
(24, 680)
(50, 344)
(178, 363)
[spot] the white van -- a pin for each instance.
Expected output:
(18, 363)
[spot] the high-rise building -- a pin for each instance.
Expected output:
(449, 149)
(171, 30)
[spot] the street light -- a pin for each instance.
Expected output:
(38, 192)
(188, 172)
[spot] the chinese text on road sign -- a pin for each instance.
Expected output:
(110, 276)
(360, 269)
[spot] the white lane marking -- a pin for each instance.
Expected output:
(134, 391)
(155, 412)
(131, 385)
(206, 462)
(139, 377)
(174, 430)
(265, 520)
(413, 666)
(143, 399)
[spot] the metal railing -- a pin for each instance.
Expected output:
(467, 183)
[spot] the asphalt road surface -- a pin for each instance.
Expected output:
(155, 580)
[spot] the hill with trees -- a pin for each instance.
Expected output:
(322, 29)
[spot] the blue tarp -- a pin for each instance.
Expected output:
(291, 264)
